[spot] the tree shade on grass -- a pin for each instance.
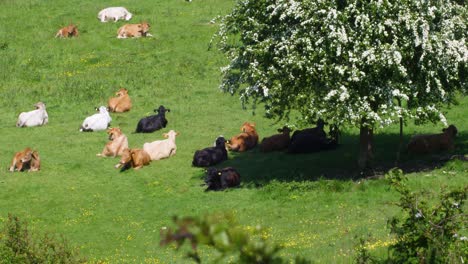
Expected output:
(348, 62)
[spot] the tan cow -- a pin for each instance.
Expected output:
(67, 32)
(244, 141)
(117, 143)
(134, 30)
(121, 103)
(133, 158)
(26, 160)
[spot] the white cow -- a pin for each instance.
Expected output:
(97, 122)
(114, 13)
(36, 117)
(161, 149)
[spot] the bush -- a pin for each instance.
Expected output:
(17, 246)
(429, 232)
(225, 235)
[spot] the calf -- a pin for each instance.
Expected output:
(114, 13)
(212, 155)
(134, 30)
(118, 142)
(121, 103)
(26, 160)
(221, 179)
(312, 140)
(152, 123)
(246, 140)
(67, 32)
(425, 144)
(133, 158)
(36, 117)
(276, 142)
(161, 149)
(97, 122)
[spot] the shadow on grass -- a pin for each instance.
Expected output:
(257, 168)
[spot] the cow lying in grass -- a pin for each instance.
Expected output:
(117, 143)
(217, 180)
(246, 140)
(36, 117)
(26, 160)
(152, 123)
(121, 103)
(276, 142)
(97, 122)
(134, 31)
(67, 32)
(161, 149)
(425, 144)
(133, 158)
(212, 155)
(114, 13)
(312, 140)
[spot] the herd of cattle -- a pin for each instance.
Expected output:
(112, 14)
(302, 141)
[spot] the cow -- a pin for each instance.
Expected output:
(32, 118)
(276, 142)
(161, 149)
(134, 30)
(426, 144)
(114, 13)
(117, 143)
(133, 158)
(246, 140)
(313, 139)
(97, 122)
(26, 160)
(67, 32)
(217, 180)
(152, 123)
(211, 155)
(121, 103)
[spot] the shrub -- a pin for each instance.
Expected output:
(17, 246)
(224, 234)
(428, 232)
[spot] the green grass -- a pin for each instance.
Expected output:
(315, 205)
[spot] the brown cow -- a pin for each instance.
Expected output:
(26, 160)
(67, 32)
(244, 141)
(276, 142)
(118, 142)
(121, 103)
(424, 144)
(134, 30)
(133, 158)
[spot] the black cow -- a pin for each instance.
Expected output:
(221, 179)
(313, 139)
(152, 123)
(212, 155)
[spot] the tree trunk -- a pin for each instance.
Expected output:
(366, 140)
(401, 137)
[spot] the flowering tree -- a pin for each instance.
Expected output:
(354, 62)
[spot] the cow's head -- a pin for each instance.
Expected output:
(248, 127)
(161, 110)
(285, 130)
(121, 92)
(220, 142)
(114, 133)
(451, 130)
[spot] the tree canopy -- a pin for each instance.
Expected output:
(347, 61)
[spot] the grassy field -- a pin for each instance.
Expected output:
(314, 205)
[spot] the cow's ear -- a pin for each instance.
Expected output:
(165, 135)
(35, 155)
(177, 133)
